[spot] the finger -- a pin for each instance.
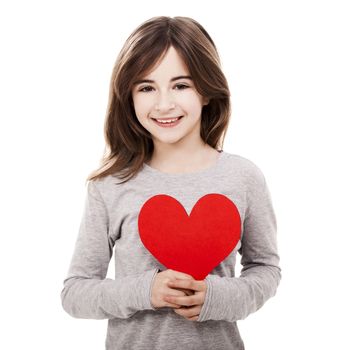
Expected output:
(183, 301)
(176, 292)
(187, 291)
(171, 305)
(181, 275)
(187, 284)
(188, 313)
(174, 306)
(195, 318)
(179, 291)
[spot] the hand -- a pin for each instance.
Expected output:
(191, 306)
(160, 288)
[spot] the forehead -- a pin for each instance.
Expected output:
(169, 66)
(146, 80)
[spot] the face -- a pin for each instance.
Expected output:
(168, 92)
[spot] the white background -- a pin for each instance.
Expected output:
(287, 63)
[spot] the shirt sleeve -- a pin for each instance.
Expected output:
(86, 292)
(234, 298)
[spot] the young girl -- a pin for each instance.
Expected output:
(168, 113)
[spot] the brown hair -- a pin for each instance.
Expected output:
(128, 143)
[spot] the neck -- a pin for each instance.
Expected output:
(176, 159)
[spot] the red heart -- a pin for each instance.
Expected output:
(193, 244)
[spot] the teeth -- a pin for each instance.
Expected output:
(168, 121)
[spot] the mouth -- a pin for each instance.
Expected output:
(167, 122)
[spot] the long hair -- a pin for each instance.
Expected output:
(128, 144)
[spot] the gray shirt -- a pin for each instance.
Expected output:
(110, 222)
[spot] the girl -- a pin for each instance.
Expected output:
(167, 117)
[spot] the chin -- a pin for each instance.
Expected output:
(167, 140)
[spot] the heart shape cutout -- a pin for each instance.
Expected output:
(192, 244)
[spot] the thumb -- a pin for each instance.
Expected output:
(182, 275)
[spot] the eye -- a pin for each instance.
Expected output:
(148, 87)
(145, 87)
(181, 86)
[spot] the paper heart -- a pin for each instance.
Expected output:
(192, 244)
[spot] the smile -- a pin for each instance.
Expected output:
(167, 123)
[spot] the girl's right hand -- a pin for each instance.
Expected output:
(160, 288)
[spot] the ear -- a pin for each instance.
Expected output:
(206, 100)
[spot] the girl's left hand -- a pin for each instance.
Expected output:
(192, 304)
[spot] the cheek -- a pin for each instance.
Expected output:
(141, 106)
(192, 104)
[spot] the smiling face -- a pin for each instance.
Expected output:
(168, 92)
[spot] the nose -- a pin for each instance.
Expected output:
(164, 102)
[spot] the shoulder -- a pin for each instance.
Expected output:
(103, 186)
(247, 168)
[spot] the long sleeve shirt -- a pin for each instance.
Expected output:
(110, 225)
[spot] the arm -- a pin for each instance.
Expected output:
(87, 293)
(233, 299)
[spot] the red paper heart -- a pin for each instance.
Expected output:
(193, 244)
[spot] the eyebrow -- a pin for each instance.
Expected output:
(172, 79)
